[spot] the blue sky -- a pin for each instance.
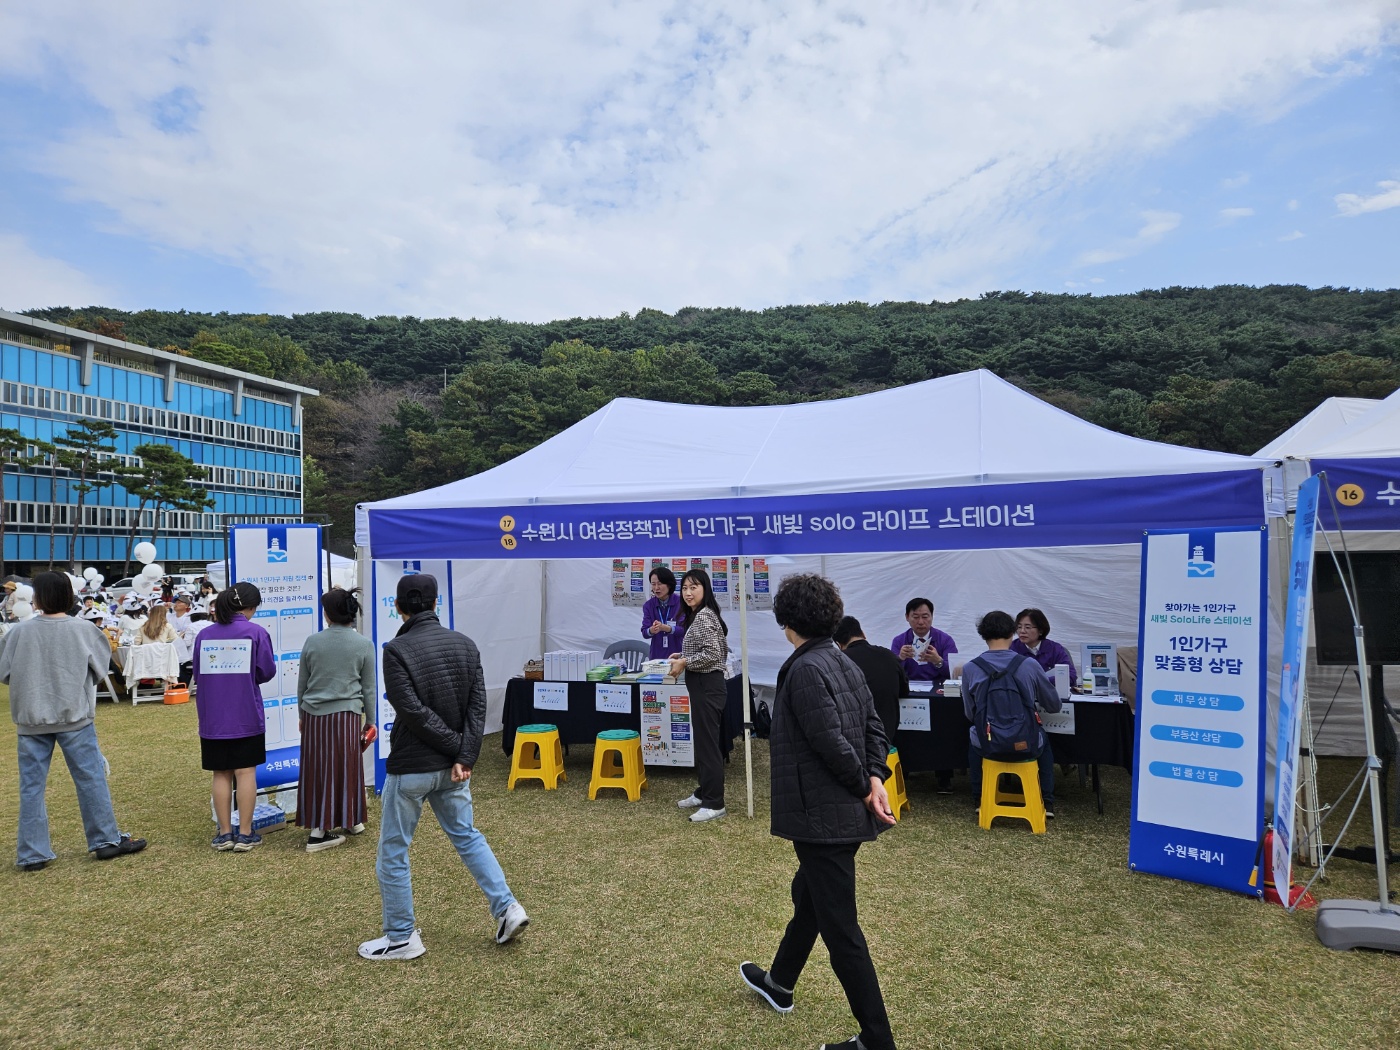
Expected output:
(552, 160)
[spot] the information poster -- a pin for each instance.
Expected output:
(1295, 641)
(385, 623)
(1198, 801)
(914, 714)
(666, 726)
(613, 699)
(1061, 721)
(284, 563)
(756, 579)
(630, 579)
(551, 696)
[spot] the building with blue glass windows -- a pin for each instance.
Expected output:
(244, 429)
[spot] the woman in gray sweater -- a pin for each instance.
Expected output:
(335, 694)
(52, 664)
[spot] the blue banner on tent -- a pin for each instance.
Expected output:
(1365, 494)
(1032, 514)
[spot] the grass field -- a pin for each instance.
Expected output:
(639, 922)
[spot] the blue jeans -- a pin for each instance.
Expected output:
(401, 806)
(89, 772)
(1046, 772)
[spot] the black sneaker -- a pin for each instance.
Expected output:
(34, 865)
(1049, 811)
(852, 1043)
(756, 977)
(120, 849)
(945, 787)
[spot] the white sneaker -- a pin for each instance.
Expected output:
(512, 922)
(381, 949)
(704, 813)
(689, 802)
(358, 829)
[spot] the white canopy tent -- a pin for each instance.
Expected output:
(968, 439)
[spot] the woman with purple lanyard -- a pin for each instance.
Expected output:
(232, 658)
(659, 616)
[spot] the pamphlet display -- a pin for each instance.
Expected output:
(284, 562)
(666, 726)
(1198, 799)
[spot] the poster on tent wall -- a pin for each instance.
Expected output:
(1365, 494)
(666, 727)
(284, 563)
(631, 578)
(1295, 649)
(384, 624)
(1198, 798)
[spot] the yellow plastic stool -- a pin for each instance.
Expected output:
(617, 763)
(538, 756)
(1027, 806)
(894, 786)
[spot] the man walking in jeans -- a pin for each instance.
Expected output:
(434, 681)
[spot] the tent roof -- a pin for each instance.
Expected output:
(1319, 425)
(970, 428)
(1374, 433)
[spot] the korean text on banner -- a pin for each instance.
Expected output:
(1198, 800)
(284, 562)
(1295, 642)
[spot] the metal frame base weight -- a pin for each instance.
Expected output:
(1343, 925)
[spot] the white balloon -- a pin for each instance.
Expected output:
(159, 570)
(90, 573)
(22, 610)
(151, 572)
(76, 581)
(24, 592)
(98, 581)
(145, 552)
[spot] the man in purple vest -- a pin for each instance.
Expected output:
(924, 652)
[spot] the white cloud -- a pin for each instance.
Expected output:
(1293, 205)
(1349, 205)
(1231, 214)
(1296, 235)
(29, 280)
(538, 160)
(1156, 225)
(1242, 179)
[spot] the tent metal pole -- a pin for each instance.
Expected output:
(744, 671)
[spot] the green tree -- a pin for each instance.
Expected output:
(49, 455)
(82, 450)
(163, 478)
(13, 449)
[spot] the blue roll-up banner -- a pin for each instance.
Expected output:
(385, 623)
(1295, 650)
(285, 563)
(1198, 783)
(973, 517)
(1365, 494)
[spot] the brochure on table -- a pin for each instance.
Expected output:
(284, 562)
(1198, 798)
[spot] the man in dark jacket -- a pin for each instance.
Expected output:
(882, 669)
(827, 756)
(433, 679)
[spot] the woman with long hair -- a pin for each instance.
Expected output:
(335, 695)
(704, 652)
(156, 628)
(232, 658)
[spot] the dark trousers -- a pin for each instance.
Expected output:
(824, 902)
(706, 719)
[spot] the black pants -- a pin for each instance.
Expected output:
(706, 724)
(824, 902)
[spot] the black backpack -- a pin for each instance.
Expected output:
(1007, 726)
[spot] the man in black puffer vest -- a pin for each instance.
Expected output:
(827, 754)
(433, 679)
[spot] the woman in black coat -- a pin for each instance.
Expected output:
(827, 754)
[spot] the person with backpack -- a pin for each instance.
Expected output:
(1001, 690)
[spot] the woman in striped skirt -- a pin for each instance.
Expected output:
(335, 691)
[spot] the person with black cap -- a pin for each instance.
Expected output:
(433, 679)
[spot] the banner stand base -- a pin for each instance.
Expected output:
(1343, 925)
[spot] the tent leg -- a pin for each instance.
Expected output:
(744, 668)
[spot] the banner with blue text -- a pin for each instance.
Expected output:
(1198, 800)
(1032, 514)
(1366, 494)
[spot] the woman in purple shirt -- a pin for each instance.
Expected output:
(659, 615)
(1032, 639)
(232, 657)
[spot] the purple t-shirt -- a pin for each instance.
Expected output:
(918, 672)
(230, 662)
(1050, 654)
(663, 645)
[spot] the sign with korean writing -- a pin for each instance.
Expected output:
(284, 562)
(1061, 721)
(613, 699)
(1198, 800)
(1295, 651)
(551, 696)
(385, 622)
(914, 714)
(666, 726)
(1365, 494)
(1032, 514)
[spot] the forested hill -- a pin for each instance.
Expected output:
(1224, 368)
